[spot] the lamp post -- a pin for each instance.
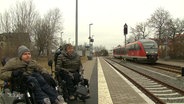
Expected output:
(90, 32)
(90, 45)
(92, 40)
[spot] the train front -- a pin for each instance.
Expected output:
(151, 49)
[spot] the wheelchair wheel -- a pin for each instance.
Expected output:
(19, 101)
(62, 90)
(24, 100)
(2, 100)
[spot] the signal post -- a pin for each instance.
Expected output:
(125, 32)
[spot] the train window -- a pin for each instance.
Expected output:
(131, 47)
(137, 47)
(119, 51)
(134, 46)
(127, 47)
(123, 51)
(150, 45)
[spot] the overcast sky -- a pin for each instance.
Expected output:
(107, 16)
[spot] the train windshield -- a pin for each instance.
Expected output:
(150, 47)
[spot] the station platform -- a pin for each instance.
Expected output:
(107, 86)
(172, 62)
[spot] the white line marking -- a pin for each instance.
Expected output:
(147, 99)
(103, 91)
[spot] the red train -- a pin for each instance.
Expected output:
(145, 50)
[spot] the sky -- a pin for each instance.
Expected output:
(107, 16)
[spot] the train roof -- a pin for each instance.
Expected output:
(146, 40)
(142, 40)
(119, 46)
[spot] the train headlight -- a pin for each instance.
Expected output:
(147, 52)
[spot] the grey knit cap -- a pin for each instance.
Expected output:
(21, 50)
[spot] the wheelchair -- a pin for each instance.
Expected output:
(81, 88)
(21, 92)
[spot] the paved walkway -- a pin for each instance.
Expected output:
(120, 89)
(172, 62)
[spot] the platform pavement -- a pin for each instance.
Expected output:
(113, 88)
(172, 62)
(88, 66)
(121, 90)
(90, 73)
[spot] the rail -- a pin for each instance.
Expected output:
(158, 91)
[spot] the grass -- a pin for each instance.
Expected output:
(44, 63)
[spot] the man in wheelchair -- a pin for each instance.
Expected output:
(32, 74)
(69, 69)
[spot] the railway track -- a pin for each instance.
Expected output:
(166, 67)
(158, 91)
(170, 68)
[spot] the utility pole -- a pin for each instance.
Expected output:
(90, 45)
(76, 27)
(90, 32)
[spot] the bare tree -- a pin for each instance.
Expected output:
(54, 21)
(131, 38)
(19, 18)
(135, 36)
(179, 25)
(46, 29)
(141, 31)
(24, 15)
(39, 36)
(175, 37)
(171, 28)
(158, 22)
(23, 18)
(6, 22)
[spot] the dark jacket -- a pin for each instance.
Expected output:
(67, 62)
(16, 64)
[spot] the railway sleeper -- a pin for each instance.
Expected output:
(157, 88)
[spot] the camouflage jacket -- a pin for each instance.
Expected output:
(16, 64)
(67, 62)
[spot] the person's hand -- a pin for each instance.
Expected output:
(71, 74)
